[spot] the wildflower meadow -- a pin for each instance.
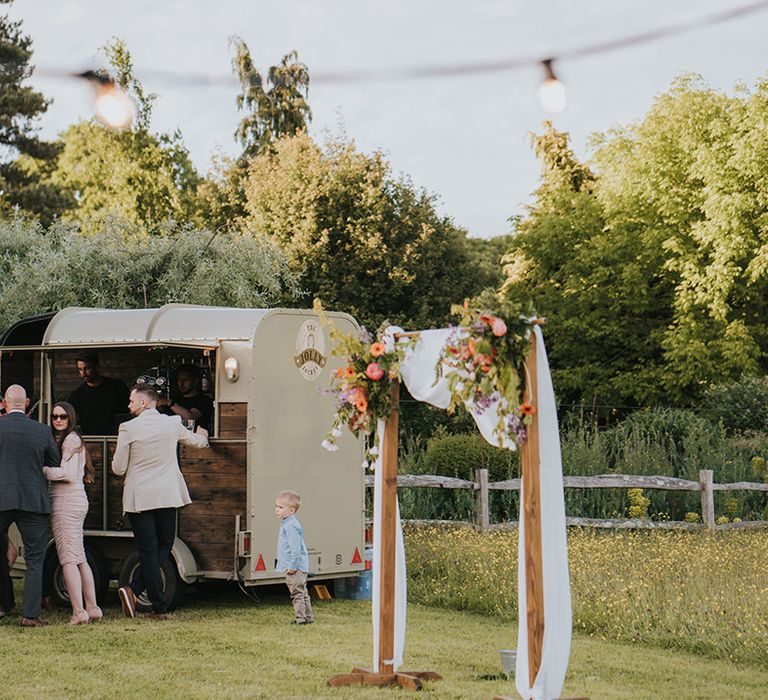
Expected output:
(691, 591)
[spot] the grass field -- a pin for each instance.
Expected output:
(687, 591)
(221, 644)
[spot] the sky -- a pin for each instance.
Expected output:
(465, 139)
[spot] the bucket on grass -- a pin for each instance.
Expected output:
(508, 661)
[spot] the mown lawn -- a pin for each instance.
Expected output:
(221, 644)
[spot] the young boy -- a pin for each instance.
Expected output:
(292, 555)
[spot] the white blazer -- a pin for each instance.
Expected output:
(146, 454)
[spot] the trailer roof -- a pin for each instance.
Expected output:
(172, 323)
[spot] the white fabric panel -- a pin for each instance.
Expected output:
(557, 592)
(418, 373)
(401, 595)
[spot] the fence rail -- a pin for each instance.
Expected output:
(483, 487)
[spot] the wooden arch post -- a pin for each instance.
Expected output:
(530, 460)
(386, 674)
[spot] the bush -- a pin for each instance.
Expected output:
(740, 406)
(460, 455)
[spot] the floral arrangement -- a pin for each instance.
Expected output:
(362, 387)
(483, 360)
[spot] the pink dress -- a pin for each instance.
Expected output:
(70, 504)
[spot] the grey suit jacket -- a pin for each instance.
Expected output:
(26, 446)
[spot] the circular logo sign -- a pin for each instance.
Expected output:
(310, 355)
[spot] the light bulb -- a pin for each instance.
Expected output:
(114, 108)
(551, 91)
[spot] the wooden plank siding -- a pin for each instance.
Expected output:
(217, 479)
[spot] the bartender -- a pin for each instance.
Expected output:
(99, 399)
(189, 402)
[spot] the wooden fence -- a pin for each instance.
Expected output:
(482, 487)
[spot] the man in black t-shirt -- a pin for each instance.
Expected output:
(189, 402)
(98, 400)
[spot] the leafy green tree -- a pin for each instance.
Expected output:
(26, 159)
(142, 177)
(280, 110)
(661, 289)
(116, 267)
(362, 241)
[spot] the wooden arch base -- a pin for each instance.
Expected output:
(410, 680)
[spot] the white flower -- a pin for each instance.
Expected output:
(329, 445)
(374, 451)
(365, 465)
(336, 432)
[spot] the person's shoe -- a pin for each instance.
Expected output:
(300, 622)
(32, 622)
(94, 614)
(79, 618)
(127, 600)
(156, 616)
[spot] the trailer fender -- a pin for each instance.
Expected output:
(185, 561)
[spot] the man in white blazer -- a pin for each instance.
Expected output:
(154, 489)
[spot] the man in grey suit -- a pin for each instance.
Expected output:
(25, 448)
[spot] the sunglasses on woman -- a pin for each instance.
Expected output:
(59, 416)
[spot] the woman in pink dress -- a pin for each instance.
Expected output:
(70, 506)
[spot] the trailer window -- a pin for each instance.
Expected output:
(157, 366)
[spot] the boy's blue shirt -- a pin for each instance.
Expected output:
(291, 550)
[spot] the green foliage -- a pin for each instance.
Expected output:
(485, 259)
(638, 503)
(281, 110)
(25, 157)
(117, 267)
(460, 455)
(740, 405)
(142, 178)
(652, 264)
(362, 241)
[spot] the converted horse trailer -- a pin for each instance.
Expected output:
(265, 370)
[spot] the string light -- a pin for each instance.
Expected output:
(551, 90)
(114, 108)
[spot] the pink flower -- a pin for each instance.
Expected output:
(374, 371)
(498, 326)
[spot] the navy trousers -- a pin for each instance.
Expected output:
(154, 532)
(34, 534)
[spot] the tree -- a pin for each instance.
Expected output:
(142, 177)
(26, 158)
(115, 267)
(363, 241)
(652, 264)
(281, 110)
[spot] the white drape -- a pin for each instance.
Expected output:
(557, 590)
(401, 596)
(418, 373)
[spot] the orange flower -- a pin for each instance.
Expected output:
(527, 410)
(362, 403)
(471, 346)
(340, 373)
(378, 349)
(349, 371)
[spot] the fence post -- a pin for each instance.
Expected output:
(481, 486)
(707, 499)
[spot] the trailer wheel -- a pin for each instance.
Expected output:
(53, 576)
(173, 586)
